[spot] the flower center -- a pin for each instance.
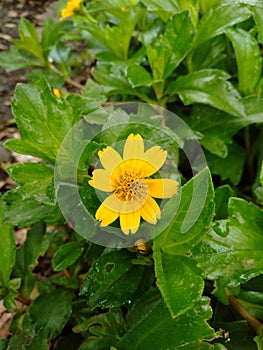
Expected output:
(130, 187)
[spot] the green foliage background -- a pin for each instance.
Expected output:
(203, 61)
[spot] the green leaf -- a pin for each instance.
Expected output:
(53, 32)
(240, 335)
(253, 107)
(261, 175)
(43, 121)
(157, 330)
(222, 195)
(230, 167)
(50, 312)
(29, 172)
(3, 344)
(7, 247)
(28, 342)
(56, 80)
(236, 258)
(248, 58)
(66, 255)
(177, 276)
(29, 40)
(35, 245)
(27, 256)
(207, 4)
(116, 38)
(114, 78)
(163, 9)
(34, 178)
(209, 54)
(258, 18)
(169, 50)
(113, 280)
(208, 86)
(105, 330)
(220, 17)
(259, 342)
(17, 59)
(210, 123)
(138, 76)
(22, 213)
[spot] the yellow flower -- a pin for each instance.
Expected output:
(132, 191)
(56, 92)
(70, 8)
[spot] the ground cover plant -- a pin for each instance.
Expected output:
(143, 200)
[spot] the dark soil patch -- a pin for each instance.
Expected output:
(10, 14)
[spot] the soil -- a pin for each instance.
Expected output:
(10, 14)
(11, 11)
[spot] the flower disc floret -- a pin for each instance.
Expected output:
(128, 181)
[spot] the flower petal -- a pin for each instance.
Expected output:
(150, 211)
(134, 147)
(156, 156)
(101, 180)
(130, 222)
(112, 203)
(109, 158)
(162, 188)
(105, 215)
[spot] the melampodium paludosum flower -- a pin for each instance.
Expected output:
(70, 9)
(128, 181)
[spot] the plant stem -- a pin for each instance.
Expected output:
(22, 300)
(251, 320)
(67, 79)
(248, 153)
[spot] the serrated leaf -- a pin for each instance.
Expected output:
(54, 309)
(168, 50)
(29, 39)
(28, 342)
(208, 54)
(258, 18)
(157, 330)
(23, 213)
(66, 255)
(211, 123)
(115, 38)
(163, 9)
(177, 276)
(105, 330)
(240, 335)
(52, 32)
(34, 178)
(114, 78)
(220, 17)
(16, 59)
(112, 280)
(193, 207)
(207, 4)
(43, 121)
(138, 76)
(249, 61)
(7, 248)
(208, 86)
(236, 258)
(230, 167)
